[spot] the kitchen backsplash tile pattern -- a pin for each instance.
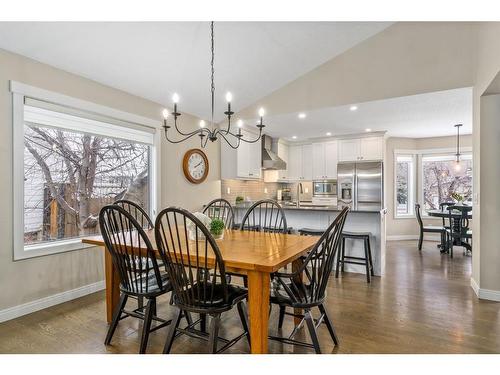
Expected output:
(256, 190)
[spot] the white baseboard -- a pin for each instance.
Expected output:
(474, 286)
(408, 237)
(43, 303)
(487, 294)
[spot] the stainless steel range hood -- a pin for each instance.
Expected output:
(270, 160)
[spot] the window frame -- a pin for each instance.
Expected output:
(131, 121)
(448, 155)
(412, 185)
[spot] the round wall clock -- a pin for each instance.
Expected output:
(195, 166)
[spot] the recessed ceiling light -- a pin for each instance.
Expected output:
(368, 130)
(353, 107)
(294, 137)
(302, 115)
(328, 134)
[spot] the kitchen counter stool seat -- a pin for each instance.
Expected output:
(311, 232)
(348, 259)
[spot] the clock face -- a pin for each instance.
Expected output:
(195, 166)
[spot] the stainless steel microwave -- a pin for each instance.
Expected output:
(325, 188)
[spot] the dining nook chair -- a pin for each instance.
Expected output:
(220, 209)
(428, 228)
(265, 215)
(458, 231)
(185, 245)
(140, 276)
(307, 290)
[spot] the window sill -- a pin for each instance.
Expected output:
(50, 248)
(404, 217)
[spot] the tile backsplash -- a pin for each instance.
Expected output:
(256, 190)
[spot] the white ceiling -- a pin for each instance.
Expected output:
(416, 116)
(154, 59)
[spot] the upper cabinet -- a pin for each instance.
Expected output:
(361, 149)
(244, 163)
(283, 153)
(324, 160)
(299, 164)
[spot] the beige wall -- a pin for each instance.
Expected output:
(408, 226)
(28, 280)
(486, 263)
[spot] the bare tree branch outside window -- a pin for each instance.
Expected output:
(441, 179)
(69, 176)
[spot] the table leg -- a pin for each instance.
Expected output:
(112, 286)
(258, 308)
(296, 264)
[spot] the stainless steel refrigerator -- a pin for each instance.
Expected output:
(360, 185)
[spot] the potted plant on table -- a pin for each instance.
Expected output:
(217, 229)
(459, 198)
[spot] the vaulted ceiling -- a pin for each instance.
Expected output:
(153, 60)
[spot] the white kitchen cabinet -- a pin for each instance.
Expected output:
(283, 153)
(295, 165)
(306, 162)
(243, 163)
(372, 148)
(361, 149)
(324, 160)
(300, 162)
(349, 149)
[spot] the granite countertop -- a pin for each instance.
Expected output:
(307, 207)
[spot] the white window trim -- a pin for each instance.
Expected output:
(19, 92)
(438, 152)
(412, 185)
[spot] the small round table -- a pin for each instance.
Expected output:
(456, 216)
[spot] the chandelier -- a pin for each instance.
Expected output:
(458, 167)
(213, 132)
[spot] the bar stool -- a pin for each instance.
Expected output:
(363, 261)
(311, 232)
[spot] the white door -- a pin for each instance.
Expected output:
(349, 149)
(307, 162)
(318, 161)
(372, 148)
(295, 165)
(331, 160)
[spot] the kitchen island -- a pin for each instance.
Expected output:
(320, 217)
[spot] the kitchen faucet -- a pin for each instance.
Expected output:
(300, 190)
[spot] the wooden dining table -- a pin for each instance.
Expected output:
(251, 253)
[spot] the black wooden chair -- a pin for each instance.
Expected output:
(428, 228)
(138, 271)
(137, 212)
(306, 290)
(199, 286)
(220, 209)
(265, 216)
(458, 229)
(140, 215)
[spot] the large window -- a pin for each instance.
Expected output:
(441, 177)
(404, 185)
(73, 165)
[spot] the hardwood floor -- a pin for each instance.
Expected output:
(424, 304)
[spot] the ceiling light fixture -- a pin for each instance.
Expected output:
(294, 137)
(302, 115)
(458, 166)
(212, 132)
(368, 130)
(353, 107)
(328, 134)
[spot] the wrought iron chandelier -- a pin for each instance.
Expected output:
(213, 132)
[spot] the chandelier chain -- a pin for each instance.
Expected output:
(212, 87)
